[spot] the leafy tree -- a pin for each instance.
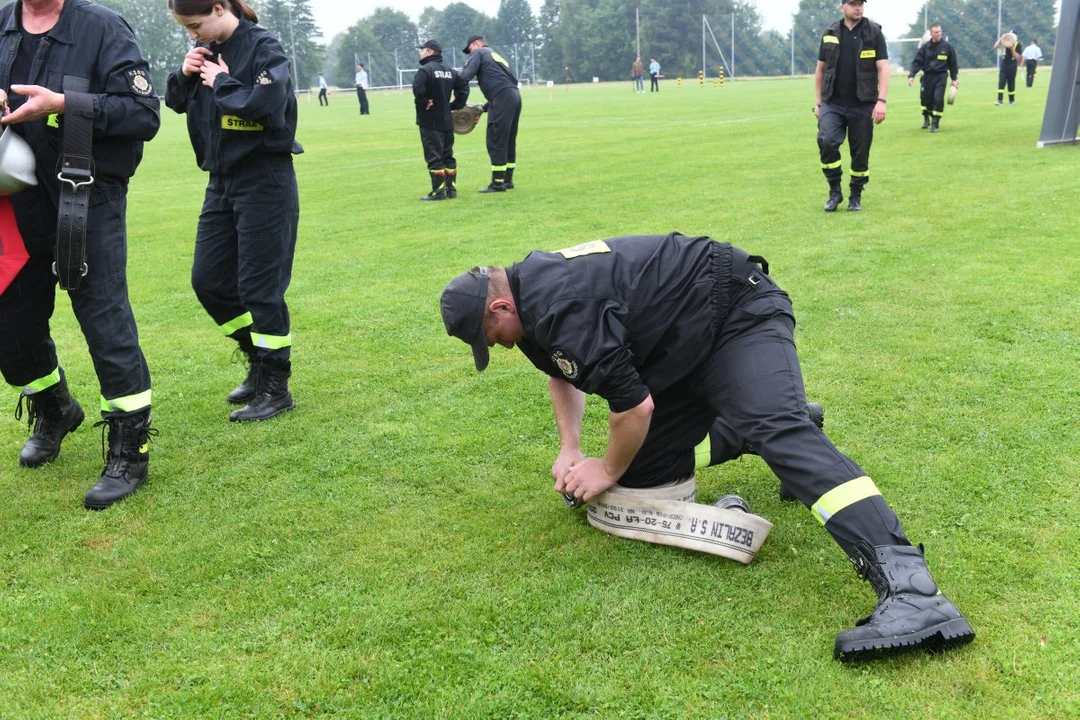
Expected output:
(514, 23)
(394, 31)
(163, 42)
(549, 50)
(357, 41)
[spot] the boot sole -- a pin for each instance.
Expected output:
(938, 638)
(73, 428)
(96, 507)
(261, 419)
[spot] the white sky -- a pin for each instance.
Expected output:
(334, 16)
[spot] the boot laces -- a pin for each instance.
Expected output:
(124, 442)
(41, 416)
(268, 383)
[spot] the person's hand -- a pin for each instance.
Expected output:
(42, 102)
(879, 113)
(193, 61)
(429, 104)
(910, 81)
(210, 70)
(4, 109)
(566, 460)
(587, 479)
(817, 111)
(956, 83)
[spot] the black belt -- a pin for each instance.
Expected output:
(76, 176)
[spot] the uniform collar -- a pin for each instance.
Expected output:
(242, 29)
(431, 58)
(60, 32)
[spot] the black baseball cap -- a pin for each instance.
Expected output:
(463, 303)
(431, 44)
(470, 41)
(852, 2)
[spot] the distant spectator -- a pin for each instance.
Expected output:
(1032, 56)
(323, 100)
(654, 75)
(361, 88)
(638, 71)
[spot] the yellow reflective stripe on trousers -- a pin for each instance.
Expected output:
(703, 453)
(511, 166)
(236, 323)
(128, 403)
(841, 496)
(271, 342)
(830, 166)
(857, 173)
(43, 383)
(498, 168)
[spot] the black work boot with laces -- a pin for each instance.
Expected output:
(242, 393)
(127, 459)
(911, 611)
(854, 203)
(271, 396)
(835, 198)
(52, 413)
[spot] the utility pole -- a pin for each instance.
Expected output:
(292, 41)
(793, 47)
(732, 46)
(999, 18)
(637, 24)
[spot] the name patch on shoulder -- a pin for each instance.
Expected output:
(868, 54)
(139, 81)
(567, 365)
(830, 39)
(231, 122)
(590, 248)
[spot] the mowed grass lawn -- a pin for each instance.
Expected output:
(393, 547)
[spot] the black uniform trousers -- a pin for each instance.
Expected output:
(27, 352)
(932, 86)
(1007, 79)
(1031, 65)
(654, 83)
(244, 253)
(856, 122)
(438, 149)
(361, 95)
(502, 128)
(323, 99)
(752, 390)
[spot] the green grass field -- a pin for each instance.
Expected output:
(394, 549)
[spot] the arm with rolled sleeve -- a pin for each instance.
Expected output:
(121, 110)
(264, 100)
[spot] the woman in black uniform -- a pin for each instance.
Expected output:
(236, 89)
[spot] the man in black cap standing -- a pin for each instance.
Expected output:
(691, 344)
(432, 87)
(851, 82)
(503, 107)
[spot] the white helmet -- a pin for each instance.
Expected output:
(17, 163)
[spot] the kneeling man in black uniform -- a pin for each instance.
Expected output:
(692, 345)
(432, 87)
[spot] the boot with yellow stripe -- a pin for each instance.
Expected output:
(498, 182)
(438, 186)
(52, 414)
(911, 611)
(127, 459)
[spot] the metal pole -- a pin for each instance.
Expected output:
(703, 66)
(368, 68)
(637, 24)
(732, 46)
(925, 11)
(517, 68)
(397, 69)
(999, 18)
(292, 41)
(532, 54)
(793, 47)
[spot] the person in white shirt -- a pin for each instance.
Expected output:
(1032, 56)
(361, 88)
(323, 100)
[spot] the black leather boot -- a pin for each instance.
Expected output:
(911, 611)
(271, 396)
(127, 459)
(835, 198)
(243, 392)
(509, 183)
(51, 414)
(451, 183)
(498, 182)
(854, 203)
(925, 121)
(438, 187)
(936, 125)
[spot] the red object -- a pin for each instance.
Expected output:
(13, 255)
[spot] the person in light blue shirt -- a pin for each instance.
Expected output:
(361, 88)
(654, 75)
(1032, 56)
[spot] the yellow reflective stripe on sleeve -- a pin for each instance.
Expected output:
(236, 323)
(128, 403)
(43, 383)
(856, 173)
(231, 122)
(841, 496)
(499, 59)
(590, 248)
(868, 54)
(831, 39)
(271, 342)
(830, 166)
(703, 453)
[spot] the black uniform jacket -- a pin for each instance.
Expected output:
(624, 317)
(91, 50)
(250, 109)
(868, 50)
(935, 58)
(491, 71)
(435, 81)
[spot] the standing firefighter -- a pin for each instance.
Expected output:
(935, 59)
(432, 87)
(1010, 60)
(691, 344)
(236, 89)
(82, 98)
(851, 82)
(503, 107)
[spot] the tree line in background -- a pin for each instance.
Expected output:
(587, 38)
